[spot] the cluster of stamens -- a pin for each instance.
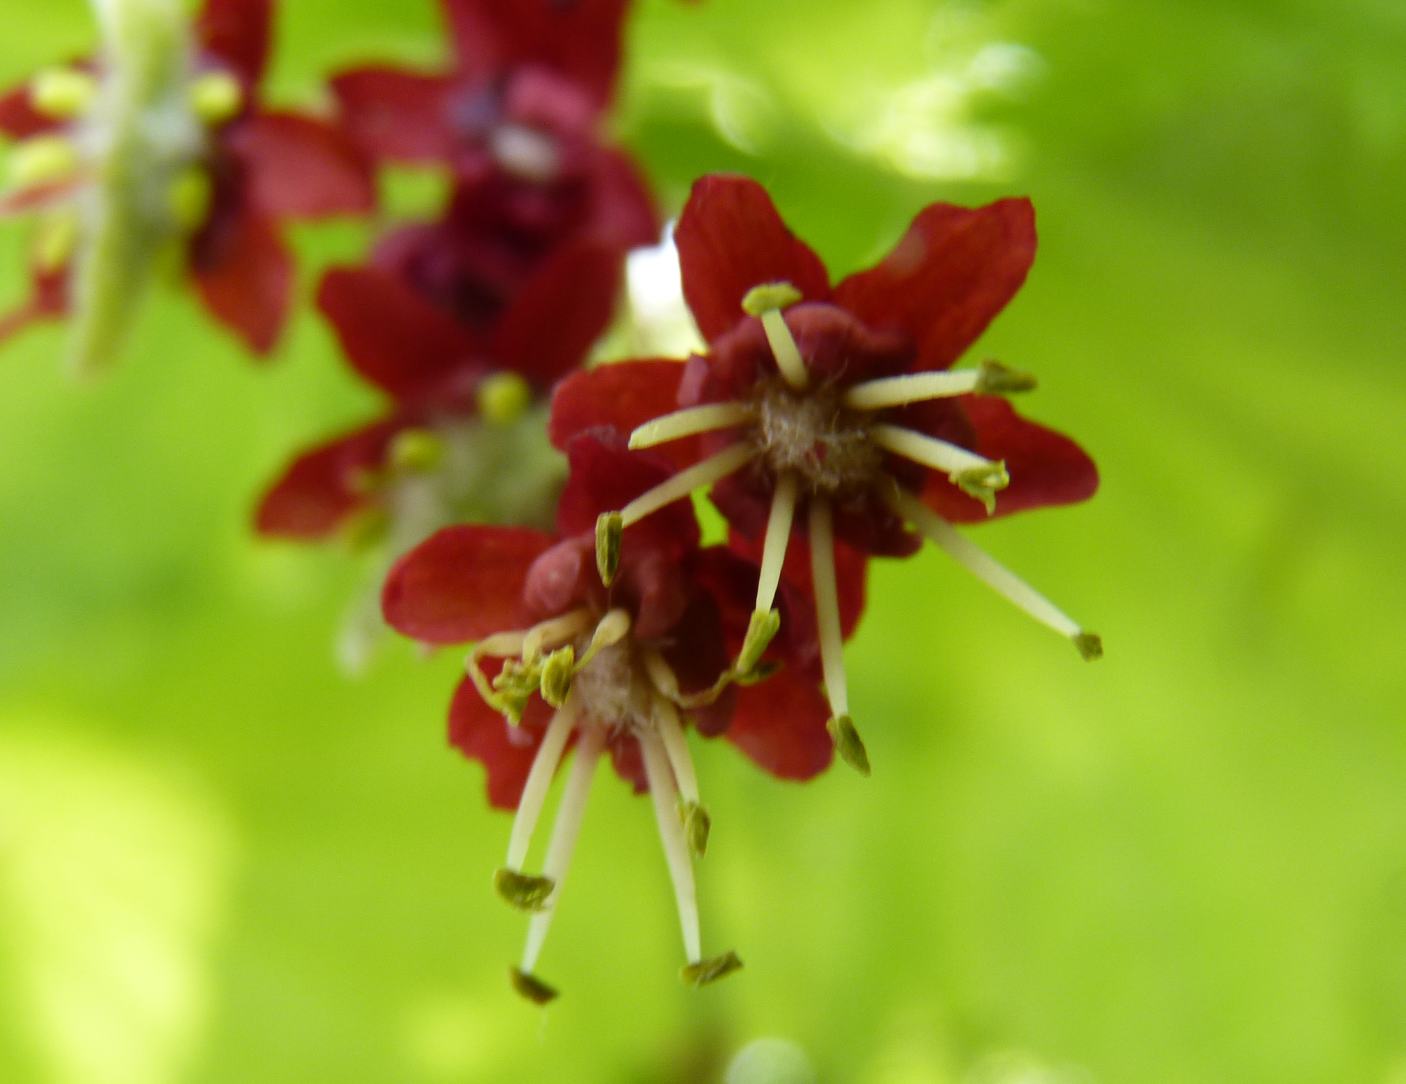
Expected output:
(604, 685)
(817, 440)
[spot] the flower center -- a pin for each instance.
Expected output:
(612, 688)
(812, 433)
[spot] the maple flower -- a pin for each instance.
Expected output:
(834, 411)
(516, 118)
(559, 659)
(463, 436)
(160, 142)
(462, 400)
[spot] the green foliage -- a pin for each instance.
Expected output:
(222, 861)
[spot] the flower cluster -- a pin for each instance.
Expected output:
(160, 141)
(519, 499)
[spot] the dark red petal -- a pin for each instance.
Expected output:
(562, 578)
(505, 750)
(393, 338)
(621, 396)
(244, 275)
(396, 114)
(730, 238)
(236, 33)
(579, 38)
(623, 213)
(47, 300)
(323, 485)
(301, 167)
(947, 277)
(780, 724)
(1046, 467)
(19, 119)
(605, 477)
(462, 583)
(697, 652)
(559, 312)
(627, 759)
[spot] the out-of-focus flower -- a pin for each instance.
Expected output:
(516, 120)
(561, 659)
(833, 410)
(158, 143)
(463, 437)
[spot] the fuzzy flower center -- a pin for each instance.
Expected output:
(611, 688)
(814, 434)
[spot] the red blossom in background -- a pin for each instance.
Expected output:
(611, 669)
(516, 121)
(247, 169)
(437, 371)
(830, 408)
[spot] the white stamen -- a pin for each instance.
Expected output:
(688, 422)
(539, 781)
(501, 644)
(665, 795)
(784, 349)
(554, 632)
(892, 391)
(710, 470)
(612, 628)
(929, 451)
(564, 833)
(778, 534)
(666, 719)
(827, 605)
(980, 564)
(661, 674)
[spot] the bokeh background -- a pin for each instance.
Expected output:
(222, 860)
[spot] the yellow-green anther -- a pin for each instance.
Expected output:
(761, 629)
(848, 743)
(982, 482)
(531, 987)
(416, 451)
(62, 93)
(696, 826)
(216, 97)
(705, 971)
(557, 672)
(503, 398)
(997, 379)
(189, 198)
(513, 687)
(524, 891)
(610, 529)
(1090, 645)
(755, 676)
(769, 297)
(43, 159)
(55, 240)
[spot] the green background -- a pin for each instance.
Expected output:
(221, 860)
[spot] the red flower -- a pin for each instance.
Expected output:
(832, 406)
(516, 119)
(195, 160)
(561, 658)
(442, 375)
